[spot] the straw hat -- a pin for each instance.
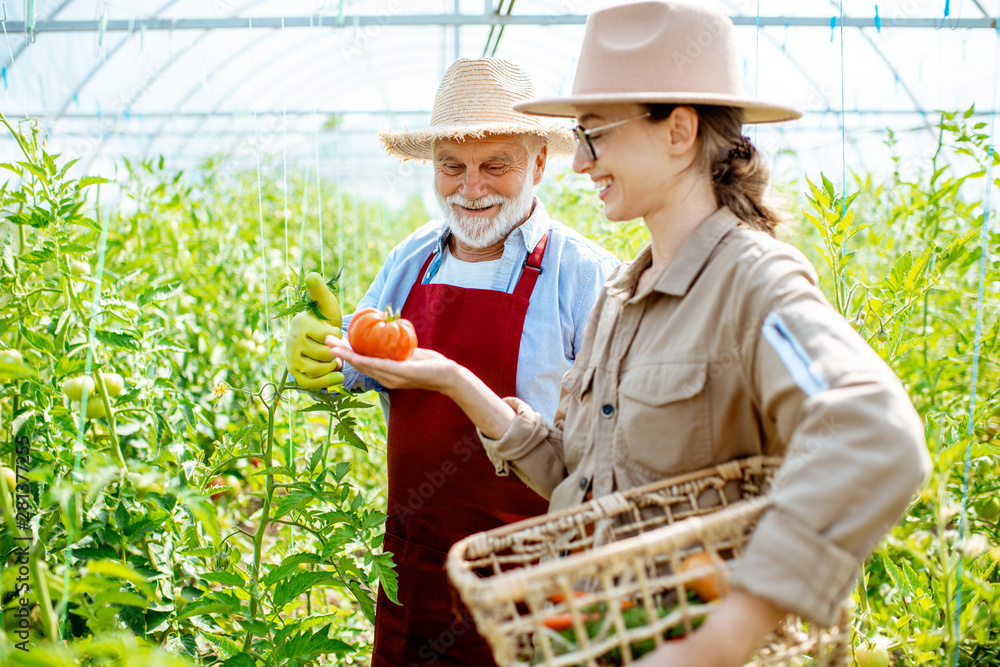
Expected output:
(474, 100)
(659, 52)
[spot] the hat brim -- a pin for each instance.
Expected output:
(415, 144)
(754, 111)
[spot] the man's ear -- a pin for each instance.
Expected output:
(543, 155)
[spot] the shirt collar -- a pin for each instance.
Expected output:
(676, 279)
(530, 232)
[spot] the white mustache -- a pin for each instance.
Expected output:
(476, 204)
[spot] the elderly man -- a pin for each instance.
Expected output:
(502, 289)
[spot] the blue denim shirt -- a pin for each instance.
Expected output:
(573, 272)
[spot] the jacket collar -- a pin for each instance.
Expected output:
(677, 278)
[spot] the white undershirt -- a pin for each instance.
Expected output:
(471, 275)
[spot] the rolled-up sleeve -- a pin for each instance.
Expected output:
(529, 447)
(854, 446)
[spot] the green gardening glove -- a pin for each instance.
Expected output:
(309, 359)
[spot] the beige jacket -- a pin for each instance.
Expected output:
(733, 351)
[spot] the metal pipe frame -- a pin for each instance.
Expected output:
(418, 112)
(436, 20)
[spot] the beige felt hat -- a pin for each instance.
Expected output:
(474, 100)
(659, 52)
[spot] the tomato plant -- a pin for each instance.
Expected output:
(386, 335)
(147, 569)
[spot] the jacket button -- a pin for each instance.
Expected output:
(607, 409)
(583, 483)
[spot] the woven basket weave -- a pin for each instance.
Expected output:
(610, 571)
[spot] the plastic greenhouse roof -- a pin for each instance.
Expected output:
(190, 78)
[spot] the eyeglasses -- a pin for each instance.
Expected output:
(583, 136)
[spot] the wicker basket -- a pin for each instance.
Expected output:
(604, 582)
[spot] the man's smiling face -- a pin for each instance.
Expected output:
(485, 186)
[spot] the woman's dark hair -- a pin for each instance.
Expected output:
(740, 177)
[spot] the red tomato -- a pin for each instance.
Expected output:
(565, 621)
(374, 333)
(707, 585)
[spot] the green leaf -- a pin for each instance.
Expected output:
(291, 501)
(118, 339)
(99, 551)
(227, 646)
(364, 599)
(159, 293)
(127, 598)
(200, 552)
(115, 570)
(218, 602)
(37, 171)
(239, 660)
(288, 566)
(307, 646)
(225, 578)
(298, 584)
(384, 568)
(297, 307)
(134, 620)
(17, 369)
(36, 340)
(345, 429)
(38, 256)
(91, 180)
(76, 249)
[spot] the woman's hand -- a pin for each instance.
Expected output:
(425, 369)
(729, 636)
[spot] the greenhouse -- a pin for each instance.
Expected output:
(514, 332)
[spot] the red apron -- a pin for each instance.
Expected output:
(442, 487)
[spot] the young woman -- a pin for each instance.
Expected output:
(714, 343)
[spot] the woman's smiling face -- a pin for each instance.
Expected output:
(635, 166)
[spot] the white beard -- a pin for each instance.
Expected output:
(480, 232)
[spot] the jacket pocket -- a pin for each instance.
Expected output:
(665, 417)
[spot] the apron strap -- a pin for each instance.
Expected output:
(532, 269)
(423, 270)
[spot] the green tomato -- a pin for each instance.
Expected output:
(10, 476)
(983, 466)
(988, 508)
(79, 268)
(95, 408)
(73, 387)
(114, 383)
(871, 656)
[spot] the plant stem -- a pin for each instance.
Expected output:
(258, 540)
(42, 586)
(99, 381)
